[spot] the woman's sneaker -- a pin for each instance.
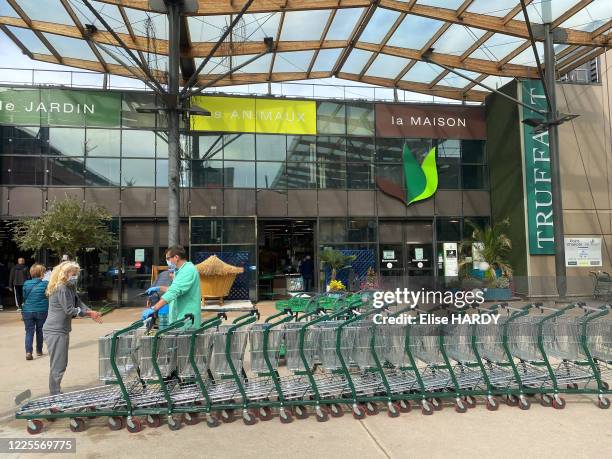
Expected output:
(29, 356)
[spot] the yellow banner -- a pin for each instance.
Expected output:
(265, 116)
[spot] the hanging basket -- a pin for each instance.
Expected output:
(216, 278)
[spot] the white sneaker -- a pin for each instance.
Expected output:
(18, 310)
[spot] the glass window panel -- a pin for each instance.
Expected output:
(207, 174)
(208, 147)
(238, 231)
(360, 149)
(386, 66)
(110, 13)
(414, 32)
(45, 10)
(419, 147)
(29, 40)
(65, 171)
(206, 231)
(331, 118)
(304, 25)
(450, 4)
(66, 141)
(590, 17)
(137, 143)
(271, 147)
(389, 150)
(271, 175)
(361, 230)
(448, 229)
(161, 173)
(472, 151)
(301, 148)
(239, 146)
(422, 72)
(332, 175)
(332, 230)
(456, 81)
(258, 26)
(137, 172)
(261, 65)
(497, 8)
(207, 28)
(239, 174)
(161, 145)
(474, 177)
(469, 223)
(102, 172)
(71, 47)
(344, 23)
(130, 117)
(449, 150)
(356, 61)
(294, 61)
(23, 140)
(19, 170)
(527, 58)
(378, 25)
(448, 176)
(496, 47)
(457, 39)
(326, 59)
(6, 10)
(143, 22)
(360, 176)
(103, 142)
(301, 175)
(331, 148)
(392, 172)
(360, 118)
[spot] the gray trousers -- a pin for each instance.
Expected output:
(57, 345)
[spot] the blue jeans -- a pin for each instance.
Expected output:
(34, 322)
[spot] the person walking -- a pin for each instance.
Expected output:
(34, 311)
(64, 305)
(19, 274)
(4, 274)
(307, 272)
(183, 295)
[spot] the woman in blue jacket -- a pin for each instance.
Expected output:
(35, 308)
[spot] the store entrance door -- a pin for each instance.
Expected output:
(406, 253)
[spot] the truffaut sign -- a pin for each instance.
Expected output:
(430, 121)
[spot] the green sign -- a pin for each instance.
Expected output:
(421, 179)
(57, 107)
(538, 186)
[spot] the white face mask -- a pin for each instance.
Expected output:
(72, 280)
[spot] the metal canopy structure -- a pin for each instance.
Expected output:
(389, 43)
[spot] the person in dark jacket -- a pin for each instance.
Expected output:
(35, 307)
(307, 272)
(64, 305)
(19, 274)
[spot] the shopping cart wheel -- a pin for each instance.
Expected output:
(116, 423)
(77, 424)
(436, 402)
(524, 403)
(512, 400)
(404, 406)
(470, 401)
(603, 403)
(264, 413)
(336, 410)
(285, 416)
(248, 417)
(212, 421)
(153, 420)
(393, 409)
(191, 419)
(460, 407)
(133, 425)
(174, 423)
(359, 411)
(321, 413)
(558, 402)
(35, 426)
(372, 409)
(492, 404)
(426, 408)
(300, 412)
(545, 400)
(605, 385)
(228, 415)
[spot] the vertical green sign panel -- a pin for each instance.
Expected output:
(57, 107)
(538, 186)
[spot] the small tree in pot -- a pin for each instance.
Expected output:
(336, 261)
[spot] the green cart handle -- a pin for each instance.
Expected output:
(286, 312)
(239, 322)
(240, 319)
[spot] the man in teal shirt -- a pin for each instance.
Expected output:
(183, 295)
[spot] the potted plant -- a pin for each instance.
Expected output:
(336, 261)
(336, 288)
(493, 247)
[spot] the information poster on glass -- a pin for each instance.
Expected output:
(582, 251)
(451, 264)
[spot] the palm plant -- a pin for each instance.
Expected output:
(336, 260)
(495, 247)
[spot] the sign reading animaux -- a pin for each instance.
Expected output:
(58, 107)
(266, 116)
(538, 185)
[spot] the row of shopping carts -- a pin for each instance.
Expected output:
(356, 357)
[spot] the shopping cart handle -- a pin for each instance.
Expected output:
(189, 317)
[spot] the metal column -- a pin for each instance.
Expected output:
(172, 105)
(553, 142)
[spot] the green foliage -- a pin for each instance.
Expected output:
(65, 228)
(496, 247)
(336, 260)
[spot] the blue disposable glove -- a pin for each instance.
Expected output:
(163, 310)
(147, 313)
(150, 291)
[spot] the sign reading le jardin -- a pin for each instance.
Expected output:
(59, 107)
(538, 185)
(245, 114)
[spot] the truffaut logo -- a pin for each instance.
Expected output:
(421, 179)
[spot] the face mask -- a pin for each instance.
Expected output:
(171, 264)
(72, 280)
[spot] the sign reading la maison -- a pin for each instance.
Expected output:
(430, 121)
(58, 107)
(538, 184)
